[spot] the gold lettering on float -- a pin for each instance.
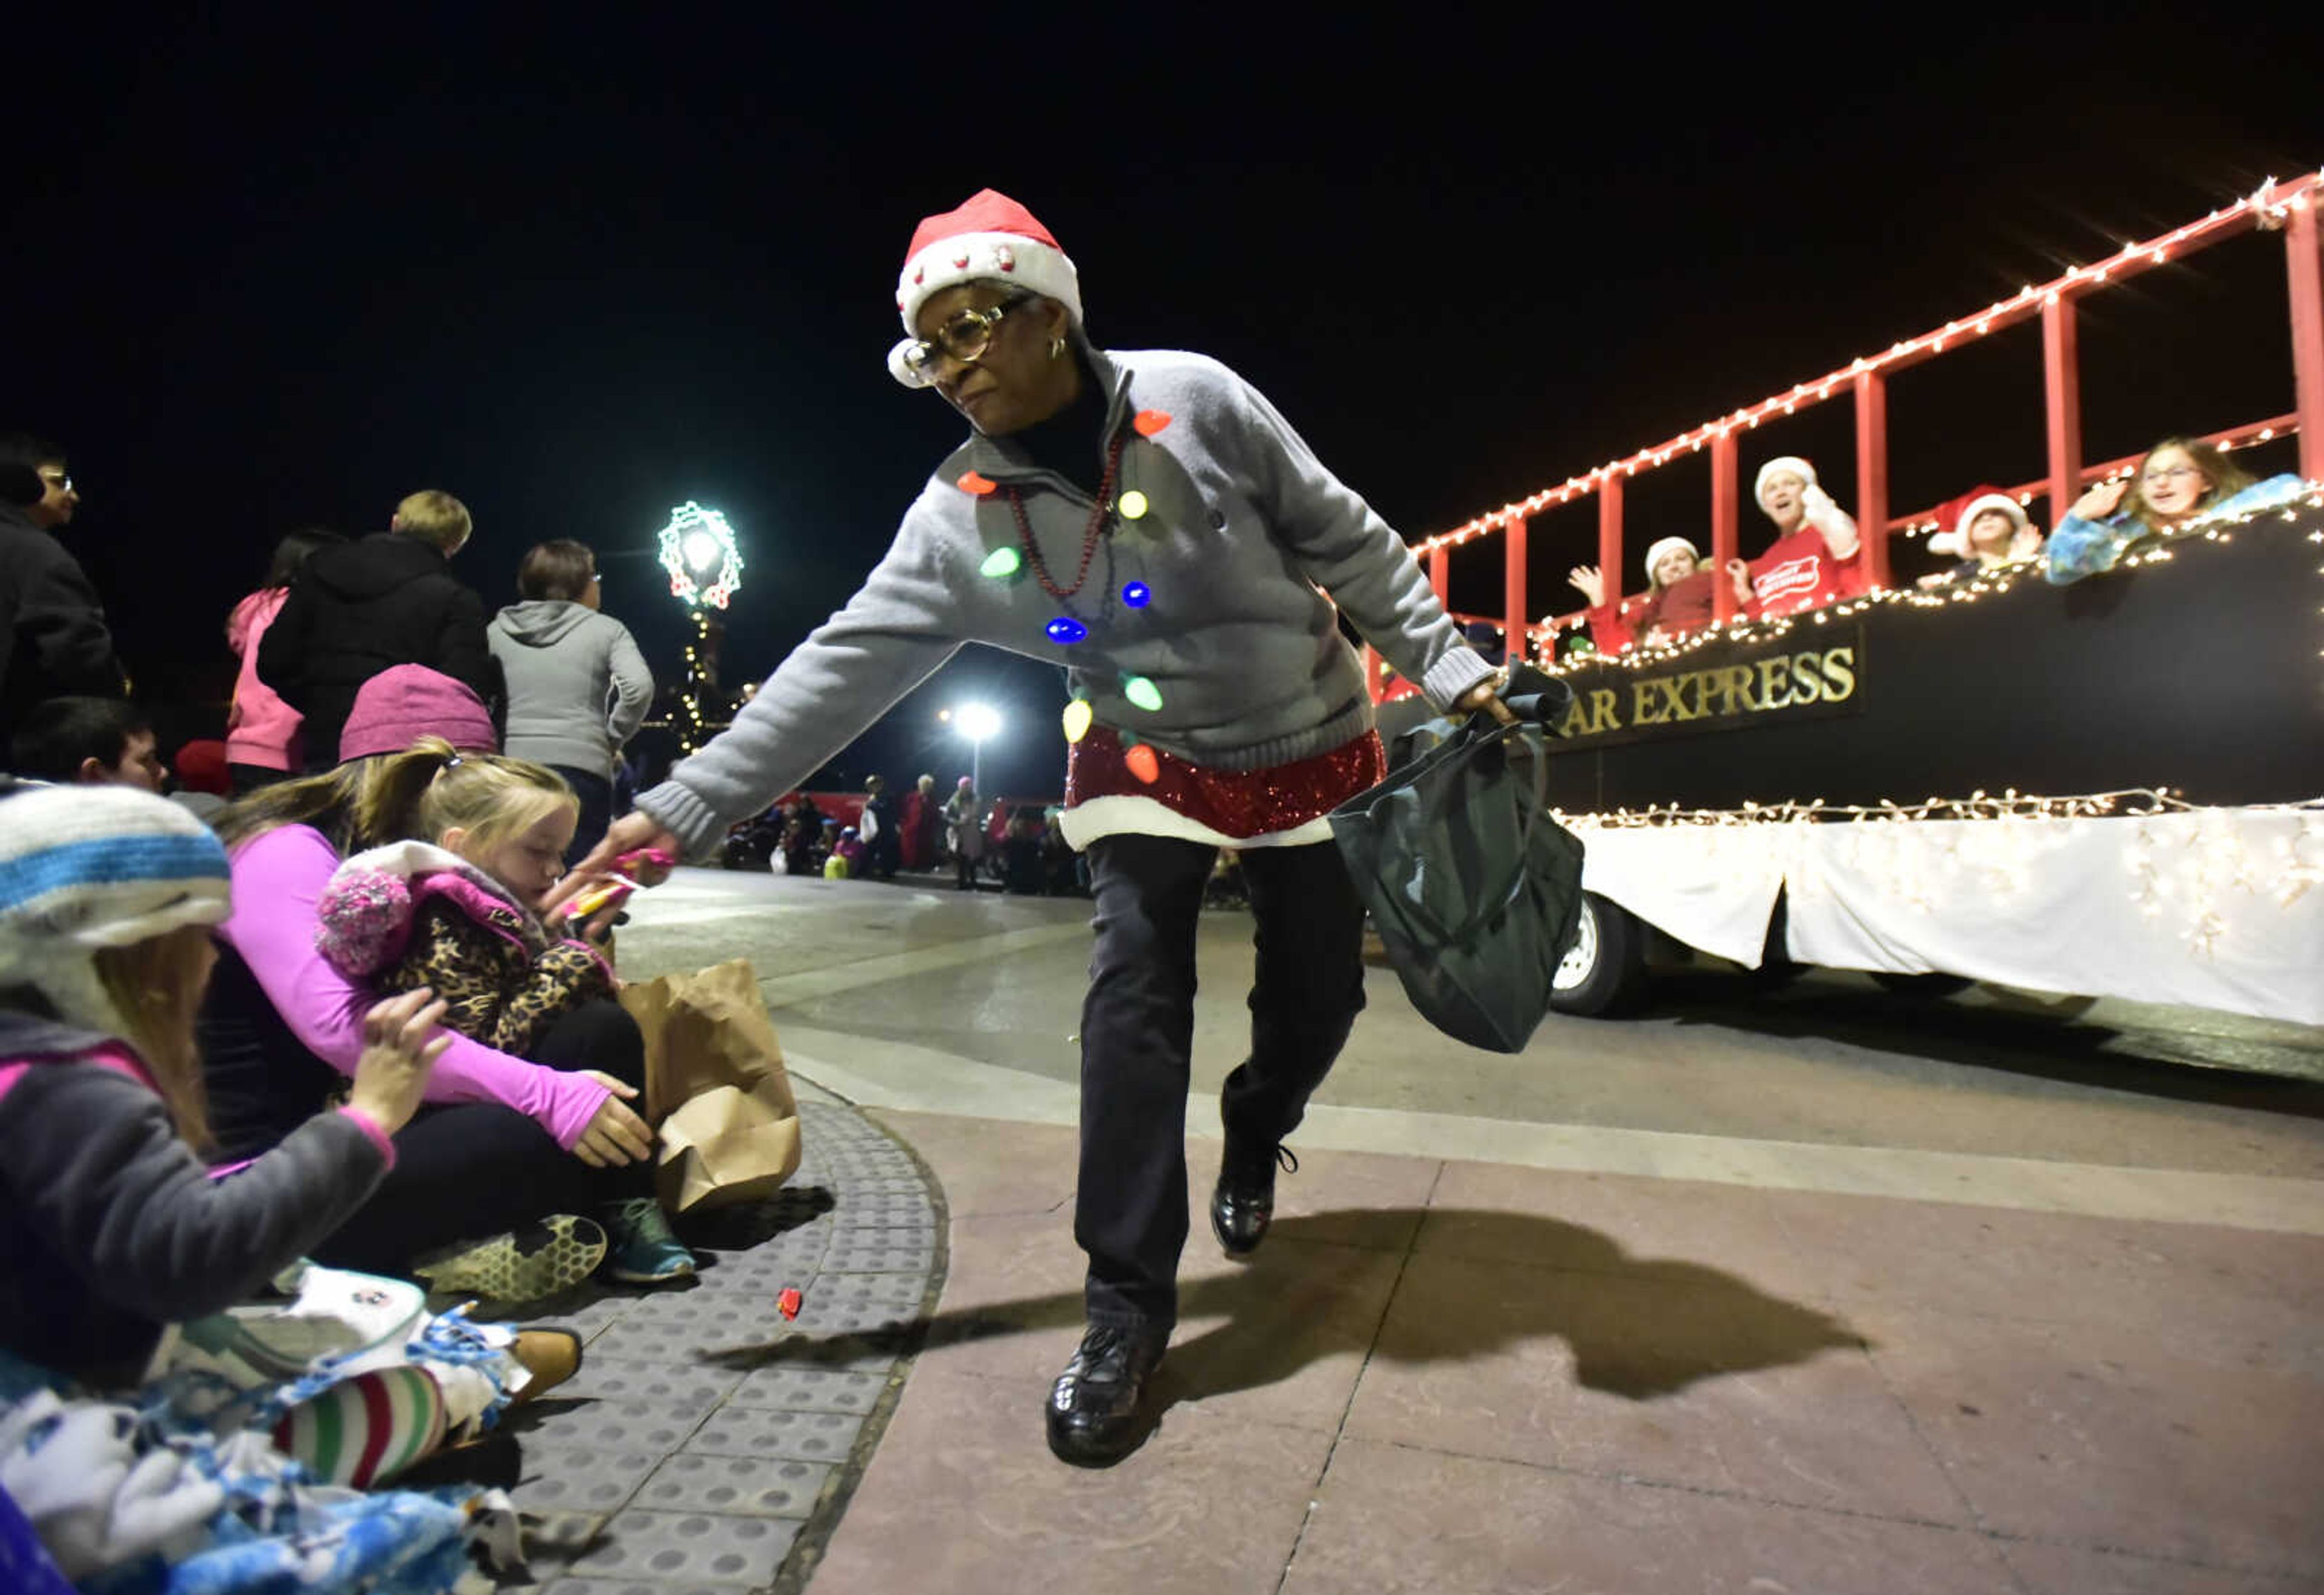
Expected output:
(1640, 693)
(1719, 692)
(1839, 674)
(1775, 682)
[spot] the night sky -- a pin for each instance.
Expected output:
(576, 272)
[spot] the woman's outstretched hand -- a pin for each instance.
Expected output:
(1487, 696)
(401, 1047)
(615, 1135)
(632, 832)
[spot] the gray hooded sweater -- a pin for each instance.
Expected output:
(1248, 550)
(577, 686)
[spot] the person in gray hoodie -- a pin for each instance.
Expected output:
(577, 686)
(1148, 519)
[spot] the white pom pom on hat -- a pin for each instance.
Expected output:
(990, 237)
(1782, 461)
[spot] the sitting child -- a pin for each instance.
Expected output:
(1813, 560)
(847, 859)
(111, 1226)
(1990, 532)
(458, 915)
(2181, 480)
(1678, 598)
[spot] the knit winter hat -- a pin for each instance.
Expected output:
(1782, 461)
(1953, 539)
(404, 702)
(990, 237)
(84, 867)
(1666, 546)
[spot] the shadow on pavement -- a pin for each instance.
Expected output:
(1638, 1327)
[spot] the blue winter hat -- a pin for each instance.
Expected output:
(84, 867)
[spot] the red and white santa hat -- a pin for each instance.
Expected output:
(1666, 546)
(1953, 538)
(1782, 461)
(990, 238)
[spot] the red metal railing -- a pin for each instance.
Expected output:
(2291, 206)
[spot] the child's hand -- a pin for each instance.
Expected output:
(400, 1052)
(632, 833)
(2103, 500)
(615, 1135)
(1740, 573)
(647, 866)
(1592, 585)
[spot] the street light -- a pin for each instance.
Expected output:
(976, 722)
(697, 550)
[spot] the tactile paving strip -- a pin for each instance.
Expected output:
(707, 1547)
(753, 1486)
(705, 1432)
(809, 1390)
(581, 1480)
(786, 1436)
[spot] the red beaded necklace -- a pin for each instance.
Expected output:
(1089, 541)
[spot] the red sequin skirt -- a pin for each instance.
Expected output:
(1238, 803)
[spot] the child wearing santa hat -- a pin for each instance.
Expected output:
(1988, 531)
(1678, 598)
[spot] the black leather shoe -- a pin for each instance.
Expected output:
(1243, 1205)
(1093, 1418)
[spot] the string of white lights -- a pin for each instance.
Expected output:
(1543, 638)
(2269, 205)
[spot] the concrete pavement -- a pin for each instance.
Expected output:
(1701, 1301)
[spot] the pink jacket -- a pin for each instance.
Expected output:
(279, 879)
(261, 729)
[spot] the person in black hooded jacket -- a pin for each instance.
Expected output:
(387, 600)
(57, 644)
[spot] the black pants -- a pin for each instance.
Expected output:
(471, 1170)
(1138, 1022)
(596, 794)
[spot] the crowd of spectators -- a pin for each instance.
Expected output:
(1019, 848)
(217, 1061)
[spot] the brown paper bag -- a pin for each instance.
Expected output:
(715, 1087)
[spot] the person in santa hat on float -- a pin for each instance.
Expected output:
(1815, 558)
(1988, 531)
(1678, 598)
(1148, 520)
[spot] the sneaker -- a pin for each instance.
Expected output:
(644, 1251)
(524, 1265)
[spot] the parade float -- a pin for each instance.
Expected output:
(2113, 788)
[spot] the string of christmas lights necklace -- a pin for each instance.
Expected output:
(1098, 521)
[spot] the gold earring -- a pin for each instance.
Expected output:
(1057, 349)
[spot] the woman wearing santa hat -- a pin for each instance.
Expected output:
(1678, 598)
(1148, 520)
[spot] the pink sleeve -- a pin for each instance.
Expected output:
(372, 1131)
(278, 880)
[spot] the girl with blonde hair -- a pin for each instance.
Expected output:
(455, 910)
